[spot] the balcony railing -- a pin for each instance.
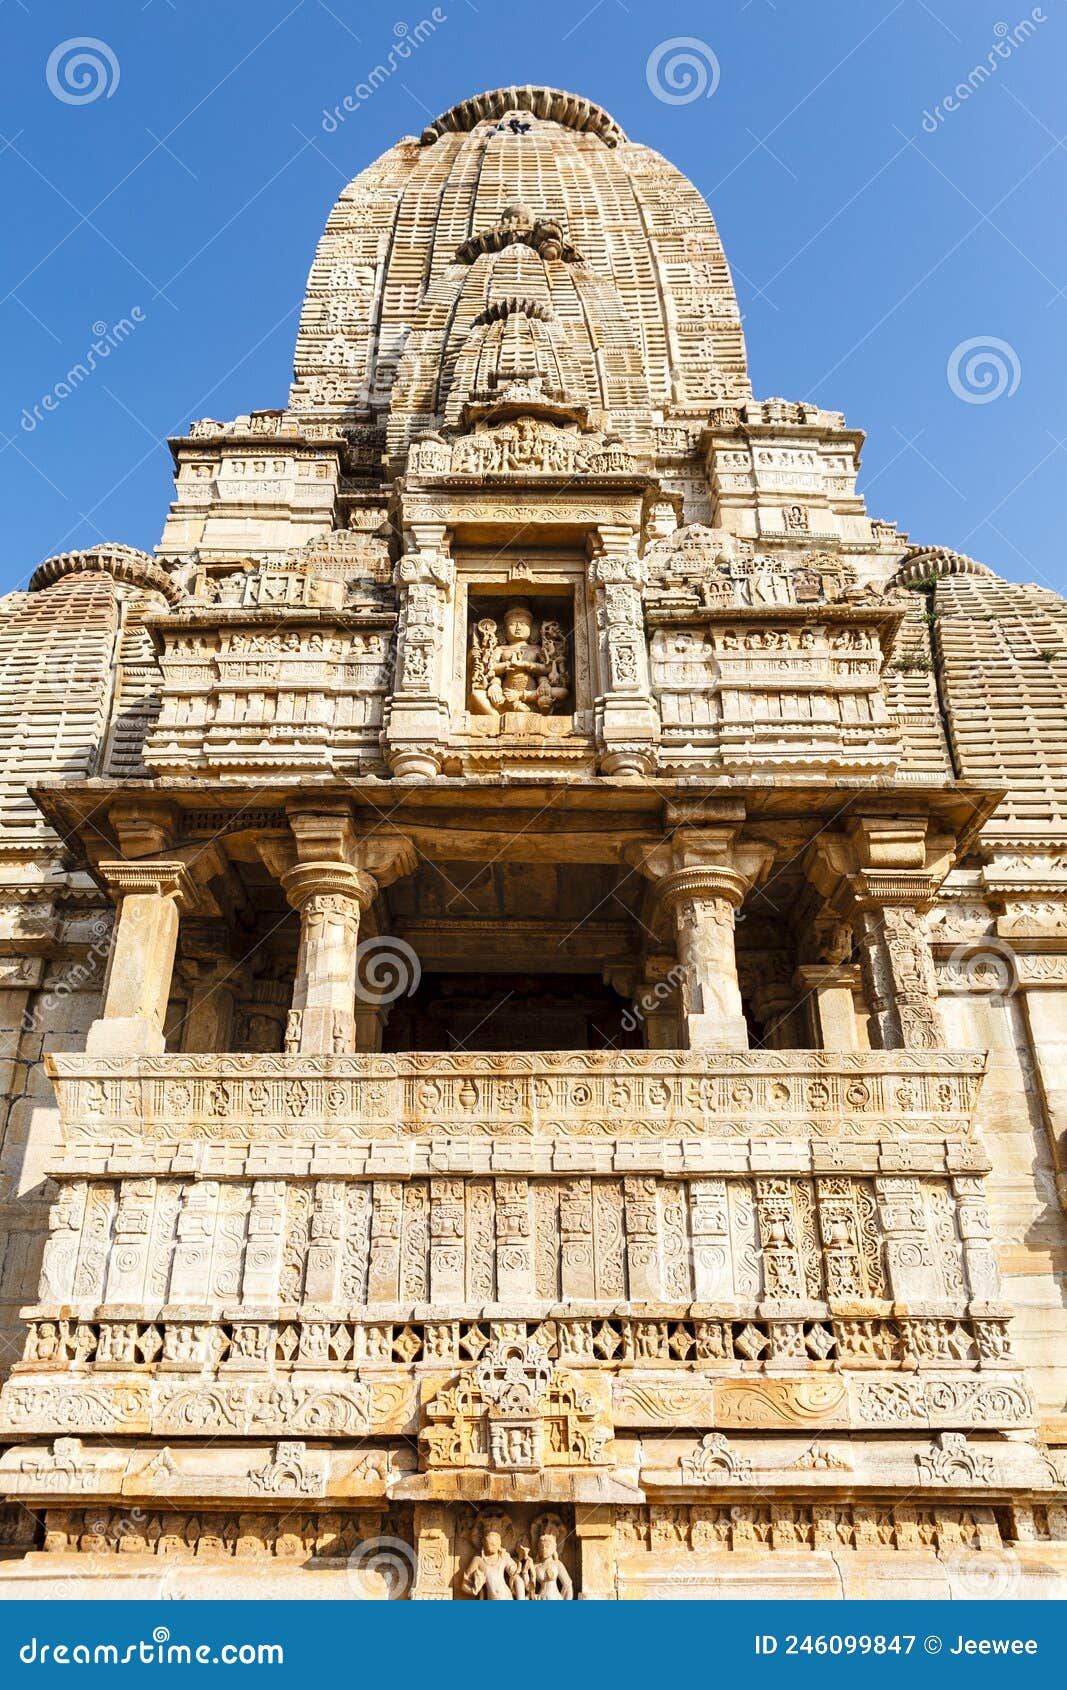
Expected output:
(499, 1109)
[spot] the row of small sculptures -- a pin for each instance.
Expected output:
(495, 1575)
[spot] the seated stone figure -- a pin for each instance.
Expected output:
(520, 673)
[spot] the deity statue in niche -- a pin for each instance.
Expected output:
(494, 1575)
(526, 671)
(544, 1575)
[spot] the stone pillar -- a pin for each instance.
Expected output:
(709, 1225)
(417, 729)
(658, 1002)
(594, 1527)
(909, 1252)
(880, 875)
(370, 1026)
(141, 963)
(331, 872)
(433, 1553)
(976, 1237)
(265, 1014)
(329, 897)
(514, 1243)
(322, 1276)
(702, 902)
(829, 989)
(213, 982)
(626, 722)
(898, 975)
(266, 1241)
(701, 875)
(771, 990)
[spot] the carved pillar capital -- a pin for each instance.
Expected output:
(715, 884)
(328, 880)
(715, 861)
(212, 982)
(328, 850)
(149, 879)
(701, 876)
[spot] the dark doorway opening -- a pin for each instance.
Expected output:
(511, 1012)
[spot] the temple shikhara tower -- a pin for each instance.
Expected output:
(534, 947)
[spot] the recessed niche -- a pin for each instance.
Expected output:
(520, 662)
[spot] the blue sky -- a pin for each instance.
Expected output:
(894, 259)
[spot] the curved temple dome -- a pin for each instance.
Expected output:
(632, 271)
(534, 957)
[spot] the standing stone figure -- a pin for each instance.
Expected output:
(494, 1575)
(546, 1578)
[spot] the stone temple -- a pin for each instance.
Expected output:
(534, 945)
